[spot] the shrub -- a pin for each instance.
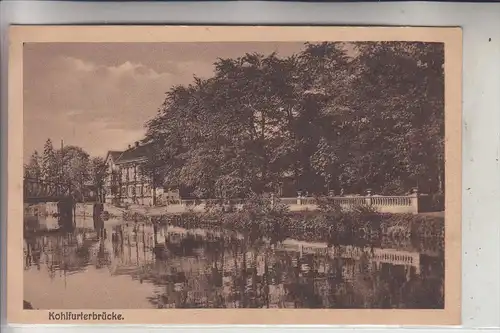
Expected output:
(260, 218)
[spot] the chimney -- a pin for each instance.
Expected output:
(136, 144)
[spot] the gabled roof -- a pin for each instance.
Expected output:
(114, 154)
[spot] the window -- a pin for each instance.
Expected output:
(139, 190)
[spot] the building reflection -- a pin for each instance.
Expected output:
(203, 269)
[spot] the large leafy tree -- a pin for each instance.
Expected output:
(399, 100)
(335, 116)
(76, 169)
(70, 167)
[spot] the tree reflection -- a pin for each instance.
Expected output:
(216, 269)
(63, 253)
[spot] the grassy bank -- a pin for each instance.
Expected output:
(262, 218)
(317, 227)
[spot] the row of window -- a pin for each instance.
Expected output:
(136, 191)
(125, 175)
(131, 173)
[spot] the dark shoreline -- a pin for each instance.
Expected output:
(310, 226)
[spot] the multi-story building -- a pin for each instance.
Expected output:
(126, 181)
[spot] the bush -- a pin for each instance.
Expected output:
(262, 217)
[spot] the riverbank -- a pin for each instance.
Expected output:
(177, 209)
(325, 226)
(260, 219)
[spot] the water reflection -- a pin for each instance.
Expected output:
(138, 265)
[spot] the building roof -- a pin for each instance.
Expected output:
(134, 153)
(114, 154)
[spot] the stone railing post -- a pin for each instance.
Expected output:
(368, 198)
(299, 198)
(414, 200)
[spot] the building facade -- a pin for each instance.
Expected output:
(127, 183)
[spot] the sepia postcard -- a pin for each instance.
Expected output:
(234, 175)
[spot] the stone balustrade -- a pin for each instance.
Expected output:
(413, 203)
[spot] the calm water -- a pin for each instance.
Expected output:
(132, 266)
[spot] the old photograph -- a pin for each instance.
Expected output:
(236, 174)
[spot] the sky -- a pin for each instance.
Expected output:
(99, 95)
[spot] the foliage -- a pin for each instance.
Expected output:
(259, 219)
(51, 167)
(98, 175)
(33, 169)
(75, 169)
(154, 168)
(70, 167)
(334, 116)
(264, 215)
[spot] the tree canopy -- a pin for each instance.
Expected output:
(334, 116)
(70, 167)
